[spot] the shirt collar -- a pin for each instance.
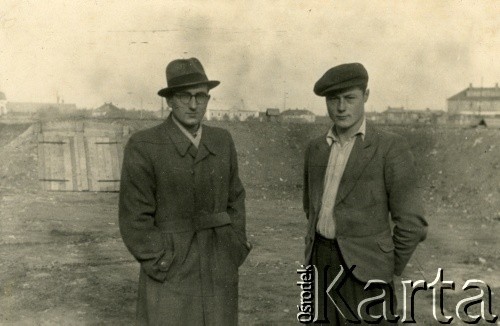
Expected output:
(194, 139)
(332, 136)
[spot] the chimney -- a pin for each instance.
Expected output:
(496, 85)
(470, 85)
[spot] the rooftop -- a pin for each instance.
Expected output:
(297, 112)
(107, 106)
(478, 93)
(272, 111)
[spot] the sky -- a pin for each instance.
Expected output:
(266, 53)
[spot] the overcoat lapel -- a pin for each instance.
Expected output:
(362, 152)
(206, 147)
(180, 141)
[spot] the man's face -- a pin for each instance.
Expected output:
(347, 107)
(189, 105)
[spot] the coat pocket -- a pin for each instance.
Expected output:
(242, 248)
(157, 268)
(166, 261)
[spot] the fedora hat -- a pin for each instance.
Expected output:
(183, 73)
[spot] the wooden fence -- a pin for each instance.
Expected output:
(80, 156)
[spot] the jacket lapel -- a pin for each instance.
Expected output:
(320, 161)
(362, 152)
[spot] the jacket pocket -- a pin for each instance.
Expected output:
(386, 245)
(243, 247)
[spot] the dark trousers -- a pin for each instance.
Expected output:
(328, 260)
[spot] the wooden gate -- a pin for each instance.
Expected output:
(77, 156)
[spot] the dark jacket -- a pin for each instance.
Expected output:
(182, 216)
(379, 181)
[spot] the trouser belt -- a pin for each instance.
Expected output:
(195, 223)
(321, 239)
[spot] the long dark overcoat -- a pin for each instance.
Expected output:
(182, 216)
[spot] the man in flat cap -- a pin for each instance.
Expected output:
(182, 209)
(356, 180)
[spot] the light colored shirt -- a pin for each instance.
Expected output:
(194, 139)
(339, 154)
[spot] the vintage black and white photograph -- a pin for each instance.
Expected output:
(249, 162)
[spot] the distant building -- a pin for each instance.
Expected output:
(476, 101)
(231, 115)
(375, 117)
(398, 115)
(272, 114)
(493, 123)
(439, 117)
(24, 112)
(298, 116)
(107, 110)
(33, 108)
(469, 120)
(217, 115)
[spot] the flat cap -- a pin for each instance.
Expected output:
(340, 77)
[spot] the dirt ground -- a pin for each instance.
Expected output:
(63, 261)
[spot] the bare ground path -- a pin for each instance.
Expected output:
(63, 261)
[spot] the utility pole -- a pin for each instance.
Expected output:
(284, 95)
(480, 97)
(284, 101)
(140, 97)
(141, 108)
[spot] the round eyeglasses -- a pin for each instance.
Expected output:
(200, 98)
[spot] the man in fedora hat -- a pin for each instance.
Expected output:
(355, 177)
(182, 209)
